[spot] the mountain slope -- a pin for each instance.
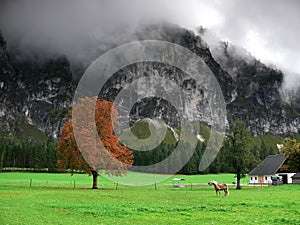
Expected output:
(34, 97)
(38, 94)
(259, 100)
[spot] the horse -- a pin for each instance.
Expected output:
(219, 187)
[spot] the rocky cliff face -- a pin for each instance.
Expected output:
(40, 94)
(33, 96)
(259, 100)
(8, 94)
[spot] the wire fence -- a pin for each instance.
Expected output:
(79, 184)
(83, 181)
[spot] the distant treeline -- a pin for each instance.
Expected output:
(41, 156)
(32, 155)
(219, 165)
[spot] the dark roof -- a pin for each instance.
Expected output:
(269, 166)
(296, 175)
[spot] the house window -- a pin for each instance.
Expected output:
(251, 178)
(266, 178)
(255, 178)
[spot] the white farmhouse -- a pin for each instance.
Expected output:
(269, 168)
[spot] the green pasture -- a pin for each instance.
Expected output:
(52, 199)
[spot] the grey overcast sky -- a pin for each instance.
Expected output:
(269, 29)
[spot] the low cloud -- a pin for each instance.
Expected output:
(76, 28)
(269, 29)
(35, 29)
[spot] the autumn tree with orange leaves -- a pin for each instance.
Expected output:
(96, 148)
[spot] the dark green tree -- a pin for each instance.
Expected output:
(264, 150)
(237, 149)
(52, 157)
(292, 150)
(5, 144)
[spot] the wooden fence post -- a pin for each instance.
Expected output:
(30, 184)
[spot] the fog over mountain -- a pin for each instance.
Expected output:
(252, 52)
(82, 30)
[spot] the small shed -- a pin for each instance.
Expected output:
(178, 182)
(296, 178)
(265, 172)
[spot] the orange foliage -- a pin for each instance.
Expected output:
(94, 119)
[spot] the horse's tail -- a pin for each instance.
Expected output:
(227, 190)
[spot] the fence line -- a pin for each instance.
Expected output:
(77, 184)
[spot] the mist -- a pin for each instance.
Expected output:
(269, 29)
(38, 29)
(81, 30)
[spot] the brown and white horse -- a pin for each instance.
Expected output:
(219, 187)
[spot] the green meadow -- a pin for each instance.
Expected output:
(56, 199)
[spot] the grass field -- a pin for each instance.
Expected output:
(52, 199)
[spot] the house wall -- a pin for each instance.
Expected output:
(260, 179)
(266, 179)
(253, 180)
(289, 177)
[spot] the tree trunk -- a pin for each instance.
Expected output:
(238, 181)
(95, 179)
